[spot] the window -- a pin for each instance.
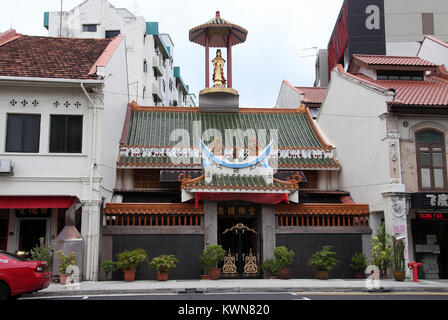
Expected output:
(23, 133)
(399, 75)
(65, 134)
(431, 160)
(163, 84)
(145, 66)
(89, 27)
(112, 34)
(428, 23)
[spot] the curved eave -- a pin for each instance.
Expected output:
(218, 34)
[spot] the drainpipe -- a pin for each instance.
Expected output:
(90, 237)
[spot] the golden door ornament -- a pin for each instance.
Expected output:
(239, 226)
(229, 267)
(250, 264)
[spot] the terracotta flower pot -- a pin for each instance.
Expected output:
(205, 277)
(162, 276)
(214, 273)
(399, 275)
(284, 273)
(129, 275)
(323, 275)
(63, 278)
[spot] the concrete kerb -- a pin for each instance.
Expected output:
(223, 286)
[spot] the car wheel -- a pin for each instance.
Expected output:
(4, 291)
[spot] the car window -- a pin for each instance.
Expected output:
(12, 256)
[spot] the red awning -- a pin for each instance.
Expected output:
(16, 202)
(265, 198)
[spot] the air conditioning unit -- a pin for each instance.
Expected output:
(6, 168)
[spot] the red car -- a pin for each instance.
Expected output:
(18, 276)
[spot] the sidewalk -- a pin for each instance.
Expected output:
(235, 286)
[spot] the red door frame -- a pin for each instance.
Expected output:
(5, 236)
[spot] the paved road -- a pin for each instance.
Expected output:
(256, 296)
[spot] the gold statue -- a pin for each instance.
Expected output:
(218, 70)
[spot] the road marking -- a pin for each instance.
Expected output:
(371, 293)
(301, 298)
(97, 295)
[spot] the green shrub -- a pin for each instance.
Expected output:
(324, 260)
(283, 257)
(164, 263)
(270, 266)
(65, 261)
(108, 266)
(381, 249)
(398, 263)
(359, 262)
(130, 260)
(43, 252)
(212, 255)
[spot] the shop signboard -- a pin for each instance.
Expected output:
(430, 206)
(432, 216)
(429, 200)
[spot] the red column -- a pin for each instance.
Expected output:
(207, 63)
(229, 59)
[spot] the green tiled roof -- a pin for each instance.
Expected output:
(151, 127)
(238, 182)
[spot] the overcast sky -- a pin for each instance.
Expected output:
(279, 33)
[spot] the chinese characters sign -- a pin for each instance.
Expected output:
(433, 200)
(438, 200)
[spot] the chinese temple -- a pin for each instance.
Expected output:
(249, 179)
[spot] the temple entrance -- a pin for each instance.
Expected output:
(238, 235)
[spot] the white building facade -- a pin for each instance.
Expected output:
(151, 78)
(391, 131)
(59, 138)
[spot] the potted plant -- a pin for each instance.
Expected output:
(270, 268)
(211, 256)
(43, 252)
(108, 266)
(381, 251)
(283, 258)
(323, 260)
(204, 269)
(359, 265)
(64, 262)
(398, 263)
(128, 261)
(163, 264)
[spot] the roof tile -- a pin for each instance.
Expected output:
(313, 94)
(393, 60)
(49, 57)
